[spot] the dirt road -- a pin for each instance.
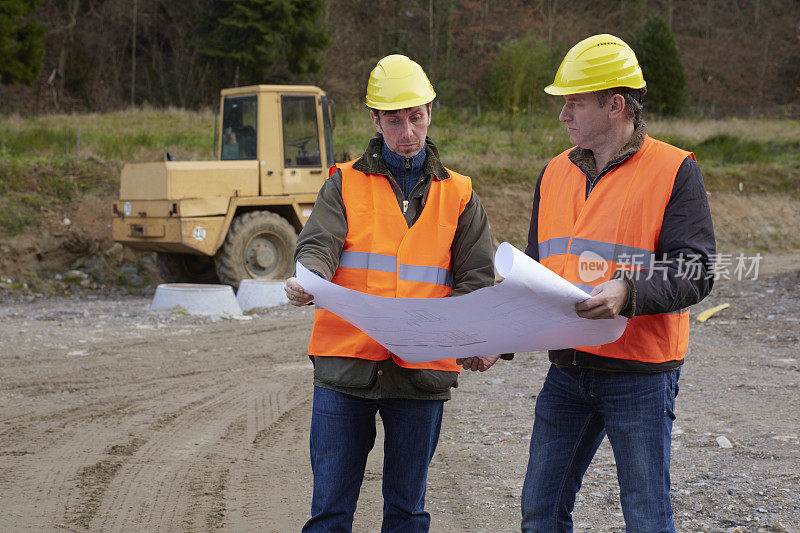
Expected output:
(113, 418)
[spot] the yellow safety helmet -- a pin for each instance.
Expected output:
(596, 63)
(397, 82)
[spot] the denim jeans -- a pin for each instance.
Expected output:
(575, 410)
(342, 435)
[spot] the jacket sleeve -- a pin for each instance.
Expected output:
(532, 250)
(472, 251)
(319, 245)
(681, 272)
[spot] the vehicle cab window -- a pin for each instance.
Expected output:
(300, 131)
(239, 127)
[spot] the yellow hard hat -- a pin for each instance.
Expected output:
(397, 82)
(596, 63)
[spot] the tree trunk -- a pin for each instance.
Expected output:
(669, 14)
(431, 37)
(448, 36)
(133, 55)
(551, 21)
(66, 45)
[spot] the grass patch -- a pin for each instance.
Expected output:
(488, 174)
(16, 215)
(503, 153)
(123, 136)
(56, 179)
(30, 186)
(20, 211)
(765, 178)
(726, 150)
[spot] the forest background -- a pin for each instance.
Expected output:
(138, 77)
(740, 57)
(85, 376)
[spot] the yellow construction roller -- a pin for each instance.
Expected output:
(705, 315)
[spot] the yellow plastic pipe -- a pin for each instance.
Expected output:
(705, 315)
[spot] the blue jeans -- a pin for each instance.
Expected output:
(342, 435)
(576, 409)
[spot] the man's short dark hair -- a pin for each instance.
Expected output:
(633, 100)
(428, 106)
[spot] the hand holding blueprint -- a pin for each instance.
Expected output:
(531, 309)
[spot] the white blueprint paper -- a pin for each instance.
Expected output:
(531, 309)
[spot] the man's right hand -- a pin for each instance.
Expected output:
(480, 364)
(296, 294)
(605, 301)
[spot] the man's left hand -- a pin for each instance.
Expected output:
(605, 301)
(296, 294)
(481, 364)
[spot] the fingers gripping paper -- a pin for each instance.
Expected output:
(531, 309)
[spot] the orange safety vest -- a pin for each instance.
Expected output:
(383, 256)
(585, 240)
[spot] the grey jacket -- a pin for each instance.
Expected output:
(320, 245)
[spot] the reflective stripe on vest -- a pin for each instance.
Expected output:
(388, 263)
(383, 256)
(586, 240)
(635, 258)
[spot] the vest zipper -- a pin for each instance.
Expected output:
(405, 184)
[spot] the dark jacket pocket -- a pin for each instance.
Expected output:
(345, 371)
(434, 380)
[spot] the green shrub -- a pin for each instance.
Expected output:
(662, 68)
(522, 69)
(725, 149)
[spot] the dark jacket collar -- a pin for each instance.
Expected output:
(584, 159)
(371, 162)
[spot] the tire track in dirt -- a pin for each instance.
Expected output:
(92, 481)
(150, 400)
(122, 401)
(45, 390)
(146, 487)
(44, 480)
(158, 486)
(257, 502)
(54, 464)
(208, 489)
(225, 496)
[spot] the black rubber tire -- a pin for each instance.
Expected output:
(186, 268)
(259, 244)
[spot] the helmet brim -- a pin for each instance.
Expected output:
(404, 104)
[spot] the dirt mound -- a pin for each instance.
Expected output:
(70, 250)
(76, 236)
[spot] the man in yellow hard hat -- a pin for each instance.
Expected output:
(395, 223)
(625, 217)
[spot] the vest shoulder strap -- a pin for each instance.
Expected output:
(651, 147)
(464, 182)
(662, 149)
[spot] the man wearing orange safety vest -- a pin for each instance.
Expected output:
(625, 217)
(395, 223)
